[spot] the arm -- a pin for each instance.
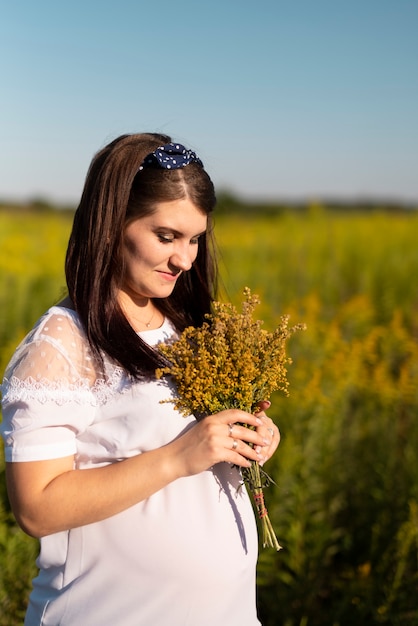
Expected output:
(51, 496)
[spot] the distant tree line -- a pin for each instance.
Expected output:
(229, 203)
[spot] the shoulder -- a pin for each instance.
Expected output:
(59, 325)
(58, 313)
(56, 347)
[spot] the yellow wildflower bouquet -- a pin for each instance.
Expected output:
(230, 362)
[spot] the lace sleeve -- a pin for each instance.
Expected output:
(48, 390)
(53, 361)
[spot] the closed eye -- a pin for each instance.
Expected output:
(165, 238)
(169, 238)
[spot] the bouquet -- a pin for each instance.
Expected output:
(231, 362)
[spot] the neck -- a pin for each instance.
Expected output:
(142, 315)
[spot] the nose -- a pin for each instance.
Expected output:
(183, 257)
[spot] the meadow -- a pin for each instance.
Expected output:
(345, 503)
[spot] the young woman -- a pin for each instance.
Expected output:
(138, 509)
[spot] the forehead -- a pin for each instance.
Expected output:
(180, 215)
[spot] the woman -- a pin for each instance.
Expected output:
(139, 513)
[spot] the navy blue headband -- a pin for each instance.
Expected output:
(172, 156)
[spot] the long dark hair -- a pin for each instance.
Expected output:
(116, 192)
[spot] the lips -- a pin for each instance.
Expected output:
(170, 276)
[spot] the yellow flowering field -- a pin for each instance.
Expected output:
(32, 251)
(345, 503)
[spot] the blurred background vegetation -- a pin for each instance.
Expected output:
(345, 507)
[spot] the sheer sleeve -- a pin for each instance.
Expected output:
(48, 390)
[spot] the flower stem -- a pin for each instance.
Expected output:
(268, 535)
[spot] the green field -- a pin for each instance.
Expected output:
(345, 506)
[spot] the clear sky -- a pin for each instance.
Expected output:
(281, 99)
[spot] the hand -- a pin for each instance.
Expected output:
(221, 437)
(269, 431)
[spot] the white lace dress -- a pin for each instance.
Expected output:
(186, 556)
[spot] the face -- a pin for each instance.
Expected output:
(159, 247)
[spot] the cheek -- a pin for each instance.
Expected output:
(137, 252)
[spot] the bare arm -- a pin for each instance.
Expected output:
(51, 496)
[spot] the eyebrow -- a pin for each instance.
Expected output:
(177, 232)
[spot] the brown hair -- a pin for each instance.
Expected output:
(116, 192)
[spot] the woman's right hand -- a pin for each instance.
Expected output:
(216, 438)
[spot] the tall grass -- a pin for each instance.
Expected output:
(32, 250)
(336, 256)
(346, 504)
(345, 507)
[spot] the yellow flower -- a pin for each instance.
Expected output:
(231, 362)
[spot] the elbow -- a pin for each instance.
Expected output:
(32, 519)
(31, 526)
(35, 513)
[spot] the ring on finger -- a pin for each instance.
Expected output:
(234, 444)
(230, 428)
(271, 431)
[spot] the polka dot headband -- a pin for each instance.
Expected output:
(172, 156)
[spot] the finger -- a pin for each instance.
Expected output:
(236, 416)
(267, 427)
(263, 405)
(240, 453)
(271, 434)
(248, 435)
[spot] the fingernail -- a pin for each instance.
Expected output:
(258, 420)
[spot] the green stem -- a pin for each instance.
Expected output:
(268, 535)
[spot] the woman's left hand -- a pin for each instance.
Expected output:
(268, 430)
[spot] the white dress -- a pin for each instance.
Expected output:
(186, 556)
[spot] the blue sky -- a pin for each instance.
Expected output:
(296, 99)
